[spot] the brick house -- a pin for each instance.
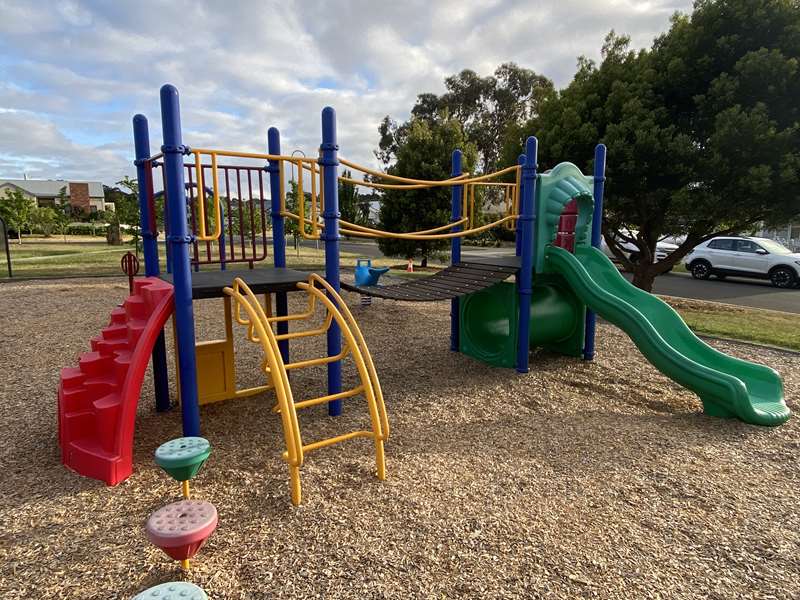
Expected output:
(86, 195)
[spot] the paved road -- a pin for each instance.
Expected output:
(742, 292)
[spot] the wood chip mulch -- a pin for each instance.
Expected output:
(576, 480)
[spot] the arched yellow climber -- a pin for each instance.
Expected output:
(259, 330)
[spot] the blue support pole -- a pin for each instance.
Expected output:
(456, 193)
(525, 281)
(278, 233)
(179, 241)
(518, 228)
(597, 232)
(141, 139)
(329, 161)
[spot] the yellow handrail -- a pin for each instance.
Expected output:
(201, 200)
(431, 183)
(388, 186)
(377, 233)
(350, 225)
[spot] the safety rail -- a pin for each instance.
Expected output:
(244, 206)
(260, 330)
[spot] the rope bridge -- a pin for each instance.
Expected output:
(454, 281)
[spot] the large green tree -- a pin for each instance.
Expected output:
(16, 208)
(487, 107)
(425, 153)
(702, 129)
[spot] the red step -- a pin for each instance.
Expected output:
(97, 399)
(121, 364)
(135, 329)
(72, 377)
(135, 307)
(106, 411)
(109, 347)
(114, 331)
(88, 458)
(94, 364)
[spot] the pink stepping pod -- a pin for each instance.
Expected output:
(181, 528)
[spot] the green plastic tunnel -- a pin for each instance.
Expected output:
(489, 321)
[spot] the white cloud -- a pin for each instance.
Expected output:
(73, 73)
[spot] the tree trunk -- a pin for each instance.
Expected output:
(644, 276)
(424, 262)
(113, 236)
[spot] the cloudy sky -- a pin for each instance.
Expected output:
(73, 73)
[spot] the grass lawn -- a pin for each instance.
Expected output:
(84, 255)
(740, 323)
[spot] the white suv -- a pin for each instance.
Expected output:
(745, 257)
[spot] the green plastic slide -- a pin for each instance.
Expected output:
(727, 386)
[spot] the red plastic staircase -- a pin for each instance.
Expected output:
(97, 399)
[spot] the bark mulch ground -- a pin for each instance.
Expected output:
(595, 480)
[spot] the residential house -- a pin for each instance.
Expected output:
(86, 195)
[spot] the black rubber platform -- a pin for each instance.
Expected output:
(209, 284)
(452, 282)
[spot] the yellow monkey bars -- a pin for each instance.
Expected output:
(260, 331)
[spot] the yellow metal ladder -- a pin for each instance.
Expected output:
(260, 331)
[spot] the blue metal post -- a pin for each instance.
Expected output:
(329, 161)
(278, 233)
(141, 139)
(518, 228)
(597, 232)
(525, 281)
(179, 241)
(456, 193)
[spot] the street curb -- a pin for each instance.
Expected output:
(749, 343)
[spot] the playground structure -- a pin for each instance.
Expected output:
(561, 279)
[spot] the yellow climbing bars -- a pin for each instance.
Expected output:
(259, 330)
(311, 225)
(300, 162)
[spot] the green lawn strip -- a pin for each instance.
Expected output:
(739, 323)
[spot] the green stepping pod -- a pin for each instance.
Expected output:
(173, 590)
(183, 457)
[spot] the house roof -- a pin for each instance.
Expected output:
(52, 187)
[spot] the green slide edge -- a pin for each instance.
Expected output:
(727, 386)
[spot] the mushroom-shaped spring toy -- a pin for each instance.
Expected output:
(181, 528)
(182, 459)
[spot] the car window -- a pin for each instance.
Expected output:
(721, 244)
(746, 246)
(774, 247)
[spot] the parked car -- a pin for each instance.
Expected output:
(663, 248)
(760, 258)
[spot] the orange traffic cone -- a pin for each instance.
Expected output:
(410, 266)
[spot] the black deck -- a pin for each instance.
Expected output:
(209, 284)
(452, 282)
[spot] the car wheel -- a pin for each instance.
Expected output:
(701, 269)
(782, 277)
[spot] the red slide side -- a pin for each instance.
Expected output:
(97, 399)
